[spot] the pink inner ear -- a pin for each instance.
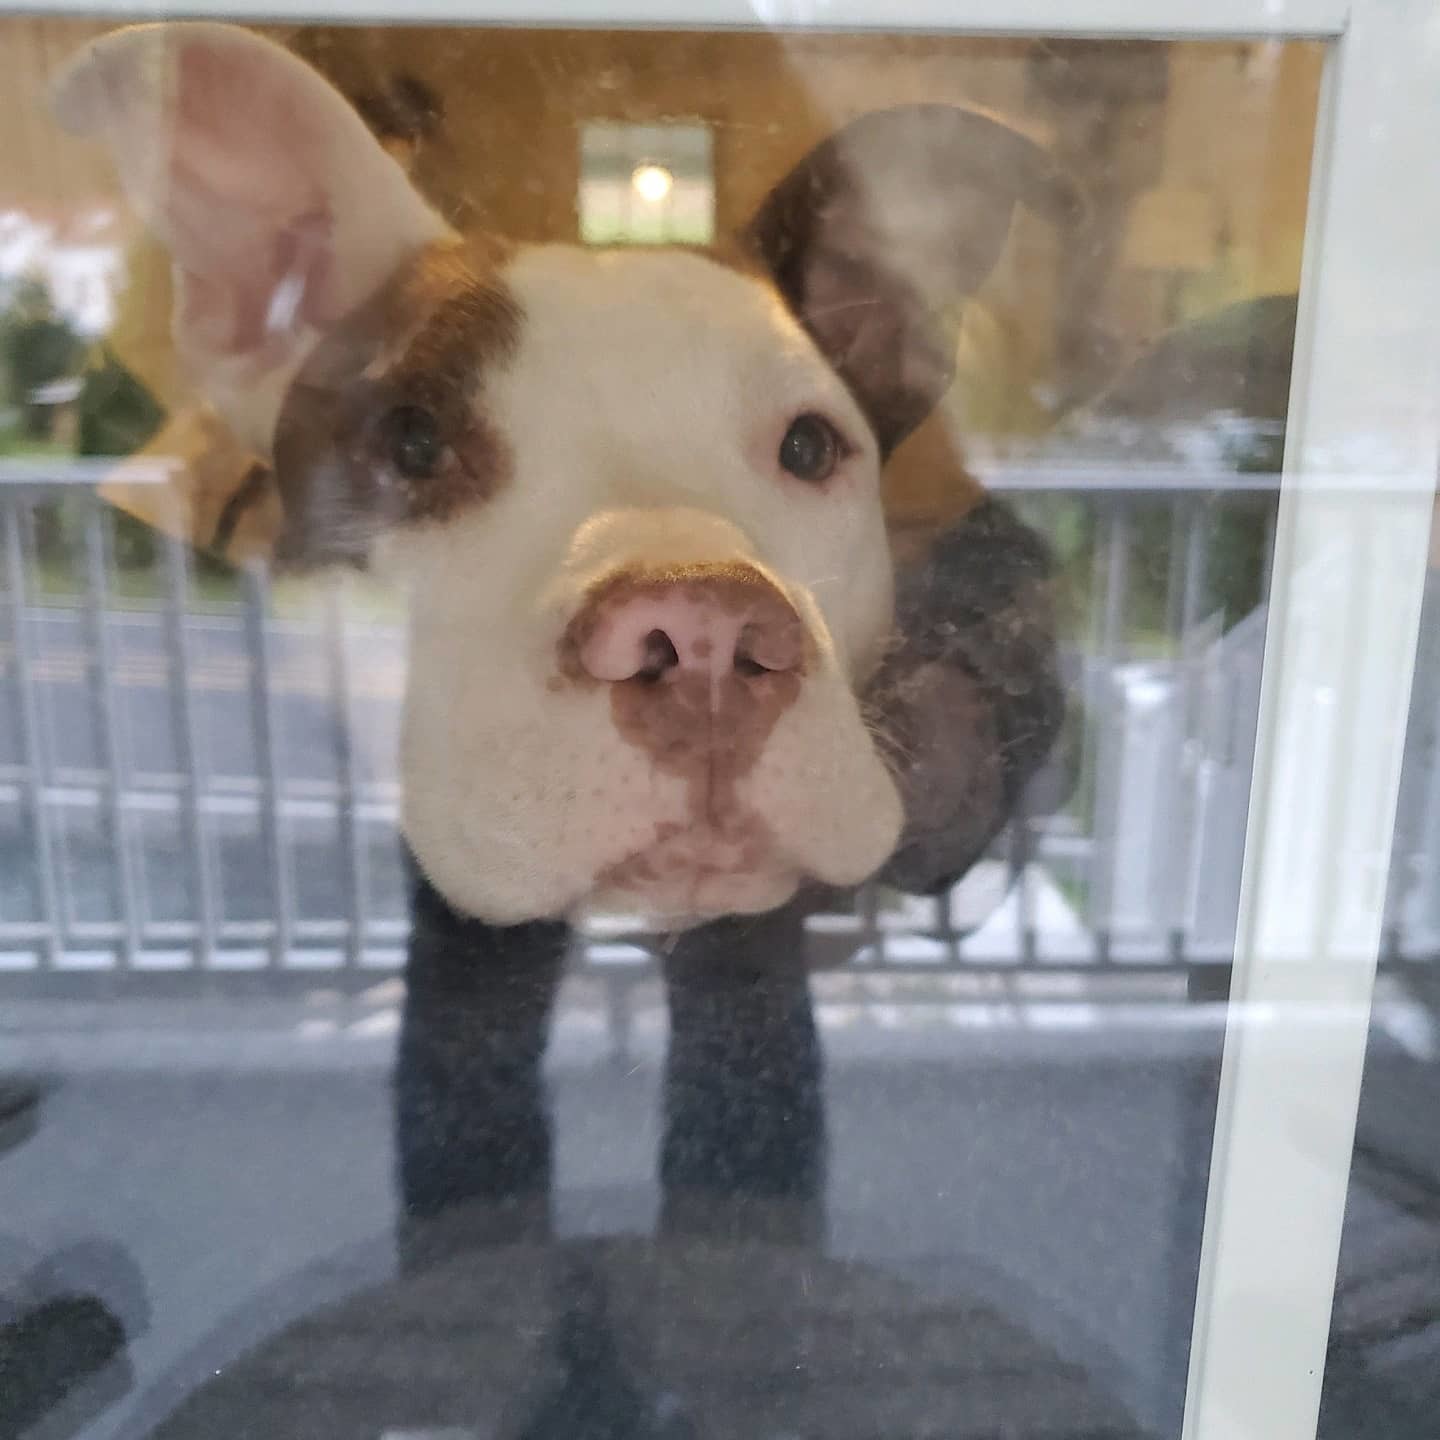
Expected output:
(253, 307)
(245, 211)
(280, 210)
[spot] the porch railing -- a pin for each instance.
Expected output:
(197, 773)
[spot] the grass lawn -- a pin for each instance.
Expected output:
(24, 447)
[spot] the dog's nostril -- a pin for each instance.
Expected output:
(658, 656)
(767, 646)
(653, 630)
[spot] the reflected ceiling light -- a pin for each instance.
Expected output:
(652, 183)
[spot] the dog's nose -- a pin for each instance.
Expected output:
(716, 621)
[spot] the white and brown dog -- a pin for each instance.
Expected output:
(633, 495)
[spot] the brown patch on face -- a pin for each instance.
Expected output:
(894, 357)
(422, 345)
(709, 732)
(707, 725)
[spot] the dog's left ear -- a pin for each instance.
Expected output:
(280, 211)
(878, 236)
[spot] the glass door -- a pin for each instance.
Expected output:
(711, 723)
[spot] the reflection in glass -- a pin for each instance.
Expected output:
(983, 1208)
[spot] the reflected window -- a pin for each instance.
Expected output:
(646, 184)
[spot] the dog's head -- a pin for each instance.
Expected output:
(634, 495)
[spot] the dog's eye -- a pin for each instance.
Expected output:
(811, 449)
(412, 441)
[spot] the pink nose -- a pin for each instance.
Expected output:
(707, 620)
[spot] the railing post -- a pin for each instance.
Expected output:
(348, 818)
(32, 757)
(263, 719)
(124, 872)
(187, 748)
(1112, 562)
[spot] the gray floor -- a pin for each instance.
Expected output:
(246, 1171)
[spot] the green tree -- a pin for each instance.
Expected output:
(37, 344)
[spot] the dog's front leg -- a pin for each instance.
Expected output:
(744, 1144)
(472, 1128)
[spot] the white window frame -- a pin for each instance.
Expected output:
(1367, 363)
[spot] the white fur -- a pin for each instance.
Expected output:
(644, 409)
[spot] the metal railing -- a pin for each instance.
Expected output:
(197, 782)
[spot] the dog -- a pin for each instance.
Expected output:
(659, 662)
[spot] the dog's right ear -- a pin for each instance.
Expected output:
(279, 209)
(879, 236)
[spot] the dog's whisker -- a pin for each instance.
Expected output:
(841, 307)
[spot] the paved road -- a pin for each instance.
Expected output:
(223, 683)
(315, 728)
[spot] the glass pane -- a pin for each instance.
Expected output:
(544, 891)
(1383, 1360)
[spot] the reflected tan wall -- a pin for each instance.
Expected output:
(1234, 127)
